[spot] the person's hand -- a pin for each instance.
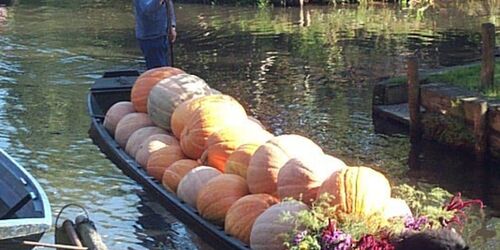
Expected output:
(172, 35)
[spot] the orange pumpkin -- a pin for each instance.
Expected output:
(215, 198)
(145, 82)
(211, 116)
(139, 136)
(270, 227)
(184, 111)
(161, 159)
(360, 191)
(173, 174)
(115, 114)
(152, 144)
(128, 125)
(262, 172)
(223, 142)
(191, 184)
(300, 178)
(237, 162)
(170, 92)
(243, 213)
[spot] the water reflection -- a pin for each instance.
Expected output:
(157, 229)
(308, 71)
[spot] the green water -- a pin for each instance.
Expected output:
(307, 71)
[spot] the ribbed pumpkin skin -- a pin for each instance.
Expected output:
(360, 191)
(139, 136)
(128, 125)
(396, 208)
(237, 162)
(269, 226)
(191, 184)
(210, 117)
(301, 178)
(183, 111)
(262, 172)
(153, 143)
(145, 82)
(222, 143)
(161, 159)
(173, 174)
(243, 213)
(170, 92)
(115, 114)
(220, 193)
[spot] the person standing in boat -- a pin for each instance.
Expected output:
(155, 30)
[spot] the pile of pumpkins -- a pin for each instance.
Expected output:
(204, 148)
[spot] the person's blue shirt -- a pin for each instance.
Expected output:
(151, 18)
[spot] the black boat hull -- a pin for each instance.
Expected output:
(115, 87)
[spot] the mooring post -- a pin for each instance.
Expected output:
(479, 110)
(488, 55)
(414, 99)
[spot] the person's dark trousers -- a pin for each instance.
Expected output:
(155, 52)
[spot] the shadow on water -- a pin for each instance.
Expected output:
(453, 169)
(159, 230)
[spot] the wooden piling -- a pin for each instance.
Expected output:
(479, 109)
(69, 228)
(88, 233)
(488, 55)
(414, 99)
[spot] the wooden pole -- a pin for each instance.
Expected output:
(479, 109)
(69, 228)
(488, 55)
(414, 99)
(59, 246)
(88, 233)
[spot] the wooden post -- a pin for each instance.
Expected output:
(88, 233)
(69, 228)
(479, 108)
(488, 55)
(414, 99)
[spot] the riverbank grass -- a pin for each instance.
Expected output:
(466, 77)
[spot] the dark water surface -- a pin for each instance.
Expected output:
(309, 72)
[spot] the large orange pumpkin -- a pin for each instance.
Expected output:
(170, 92)
(191, 184)
(300, 178)
(139, 136)
(360, 191)
(215, 198)
(243, 213)
(262, 172)
(270, 226)
(145, 82)
(128, 125)
(173, 174)
(222, 143)
(161, 159)
(213, 115)
(237, 162)
(151, 144)
(115, 114)
(182, 114)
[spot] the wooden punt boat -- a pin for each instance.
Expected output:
(25, 213)
(114, 87)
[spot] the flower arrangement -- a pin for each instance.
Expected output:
(324, 227)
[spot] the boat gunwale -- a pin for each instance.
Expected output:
(32, 225)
